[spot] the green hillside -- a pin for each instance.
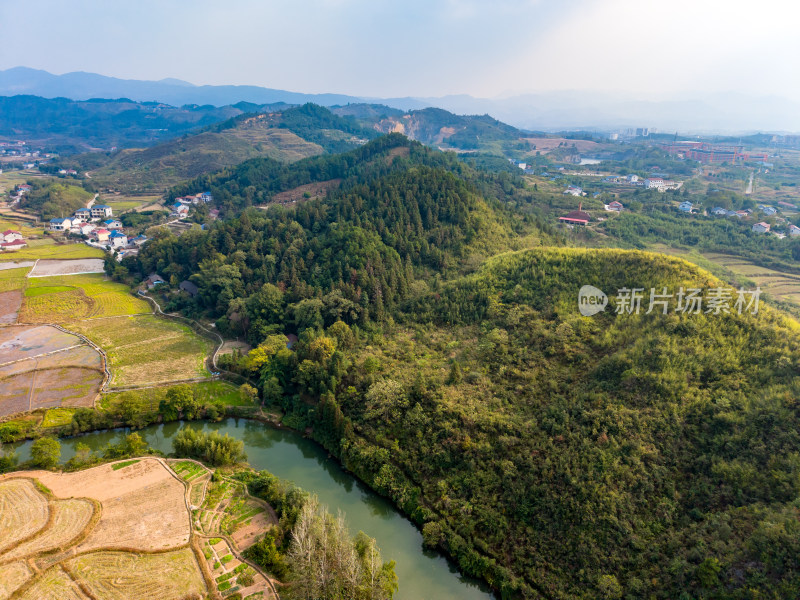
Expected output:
(553, 455)
(284, 136)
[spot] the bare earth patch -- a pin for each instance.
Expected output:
(9, 306)
(45, 268)
(314, 190)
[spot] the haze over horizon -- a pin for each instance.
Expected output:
(643, 51)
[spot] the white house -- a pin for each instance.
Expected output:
(685, 206)
(60, 224)
(112, 224)
(632, 178)
(655, 183)
(101, 211)
(85, 228)
(768, 210)
(82, 215)
(719, 211)
(118, 239)
(794, 230)
(13, 245)
(574, 190)
(761, 227)
(10, 235)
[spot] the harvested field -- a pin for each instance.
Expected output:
(46, 268)
(53, 584)
(80, 356)
(70, 518)
(15, 394)
(23, 511)
(12, 576)
(68, 387)
(145, 349)
(10, 303)
(143, 505)
(126, 576)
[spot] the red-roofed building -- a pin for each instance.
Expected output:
(576, 217)
(9, 235)
(15, 245)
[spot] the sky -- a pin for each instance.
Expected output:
(425, 48)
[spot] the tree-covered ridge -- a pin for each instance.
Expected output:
(52, 200)
(353, 255)
(559, 456)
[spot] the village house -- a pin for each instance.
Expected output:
(101, 211)
(655, 183)
(576, 217)
(189, 288)
(102, 234)
(761, 227)
(685, 206)
(118, 239)
(59, 224)
(13, 245)
(85, 228)
(82, 215)
(206, 197)
(719, 211)
(24, 188)
(767, 210)
(614, 205)
(153, 280)
(10, 235)
(574, 190)
(112, 224)
(139, 240)
(794, 230)
(180, 210)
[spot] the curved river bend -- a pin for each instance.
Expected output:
(422, 575)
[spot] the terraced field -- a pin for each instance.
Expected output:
(228, 510)
(127, 576)
(69, 519)
(23, 512)
(12, 576)
(145, 349)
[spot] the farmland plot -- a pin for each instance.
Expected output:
(145, 349)
(127, 576)
(23, 511)
(12, 576)
(70, 518)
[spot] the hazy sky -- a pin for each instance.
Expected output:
(387, 48)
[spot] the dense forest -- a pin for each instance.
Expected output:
(555, 456)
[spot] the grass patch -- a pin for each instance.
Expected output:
(208, 392)
(122, 465)
(57, 417)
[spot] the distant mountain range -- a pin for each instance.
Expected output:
(711, 113)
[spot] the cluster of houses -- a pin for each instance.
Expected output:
(760, 227)
(654, 182)
(67, 172)
(12, 240)
(180, 209)
(97, 223)
(20, 191)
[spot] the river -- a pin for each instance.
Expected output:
(421, 574)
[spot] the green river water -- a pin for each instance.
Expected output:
(422, 575)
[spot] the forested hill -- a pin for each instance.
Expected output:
(284, 135)
(401, 213)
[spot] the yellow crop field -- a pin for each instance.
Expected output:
(54, 251)
(146, 349)
(13, 279)
(125, 576)
(62, 298)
